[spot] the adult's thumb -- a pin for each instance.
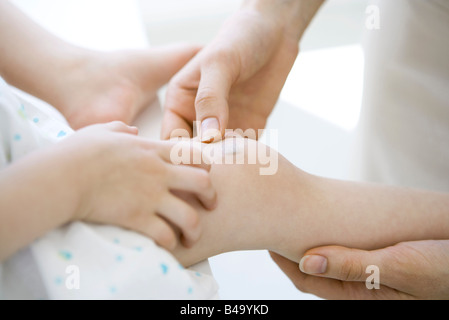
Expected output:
(341, 263)
(211, 104)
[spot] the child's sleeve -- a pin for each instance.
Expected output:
(82, 261)
(4, 127)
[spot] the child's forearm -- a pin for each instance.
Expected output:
(31, 58)
(293, 211)
(366, 216)
(37, 194)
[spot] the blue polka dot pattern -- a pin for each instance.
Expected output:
(65, 255)
(58, 281)
(22, 112)
(164, 268)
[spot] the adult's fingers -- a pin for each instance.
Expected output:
(174, 125)
(321, 287)
(331, 288)
(179, 108)
(211, 104)
(413, 269)
(347, 264)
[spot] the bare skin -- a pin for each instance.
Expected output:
(292, 211)
(86, 86)
(220, 92)
(235, 82)
(408, 270)
(103, 174)
(90, 87)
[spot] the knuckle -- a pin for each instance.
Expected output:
(166, 238)
(351, 270)
(205, 99)
(151, 147)
(203, 180)
(154, 163)
(118, 124)
(191, 219)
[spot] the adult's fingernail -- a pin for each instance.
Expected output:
(210, 130)
(313, 264)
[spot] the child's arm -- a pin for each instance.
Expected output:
(292, 211)
(31, 58)
(102, 174)
(37, 194)
(86, 86)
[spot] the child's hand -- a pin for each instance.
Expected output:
(128, 181)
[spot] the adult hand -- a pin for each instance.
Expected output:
(235, 81)
(409, 270)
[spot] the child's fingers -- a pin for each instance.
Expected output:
(119, 126)
(182, 216)
(185, 153)
(193, 180)
(158, 230)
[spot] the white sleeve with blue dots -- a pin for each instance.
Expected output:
(79, 260)
(104, 262)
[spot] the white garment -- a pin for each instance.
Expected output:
(405, 115)
(109, 262)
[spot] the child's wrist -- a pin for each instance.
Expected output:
(74, 170)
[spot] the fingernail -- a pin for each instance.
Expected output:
(313, 264)
(210, 129)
